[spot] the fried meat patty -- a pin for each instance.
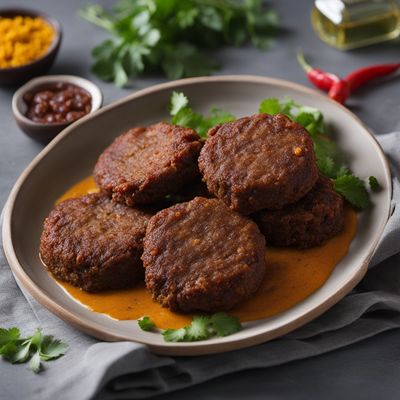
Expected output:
(258, 162)
(315, 218)
(94, 243)
(201, 256)
(144, 165)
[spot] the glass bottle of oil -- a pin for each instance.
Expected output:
(347, 24)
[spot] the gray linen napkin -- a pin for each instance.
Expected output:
(128, 370)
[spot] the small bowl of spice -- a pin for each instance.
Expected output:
(29, 43)
(44, 106)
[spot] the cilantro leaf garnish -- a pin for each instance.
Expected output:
(198, 329)
(184, 115)
(309, 117)
(204, 327)
(353, 190)
(173, 36)
(35, 349)
(175, 335)
(218, 116)
(178, 101)
(224, 324)
(271, 106)
(374, 184)
(146, 324)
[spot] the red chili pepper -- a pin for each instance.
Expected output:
(340, 91)
(361, 76)
(321, 79)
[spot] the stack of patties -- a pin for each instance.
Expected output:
(265, 166)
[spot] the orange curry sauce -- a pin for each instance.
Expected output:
(292, 275)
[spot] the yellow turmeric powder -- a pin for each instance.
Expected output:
(23, 40)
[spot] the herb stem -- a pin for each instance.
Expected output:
(90, 15)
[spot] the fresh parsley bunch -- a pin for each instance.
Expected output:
(202, 327)
(170, 35)
(330, 158)
(35, 349)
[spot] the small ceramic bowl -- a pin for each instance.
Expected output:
(17, 75)
(44, 132)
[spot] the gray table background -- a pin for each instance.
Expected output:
(363, 371)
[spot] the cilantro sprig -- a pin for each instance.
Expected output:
(184, 115)
(374, 184)
(353, 189)
(35, 349)
(146, 324)
(330, 158)
(170, 35)
(202, 327)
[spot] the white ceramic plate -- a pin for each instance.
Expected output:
(72, 155)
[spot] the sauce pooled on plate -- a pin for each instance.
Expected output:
(292, 276)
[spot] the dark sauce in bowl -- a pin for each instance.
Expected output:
(57, 103)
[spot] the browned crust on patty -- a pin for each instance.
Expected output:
(257, 162)
(94, 243)
(144, 165)
(201, 256)
(315, 218)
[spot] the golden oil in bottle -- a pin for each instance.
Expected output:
(347, 24)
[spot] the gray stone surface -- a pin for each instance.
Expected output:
(363, 371)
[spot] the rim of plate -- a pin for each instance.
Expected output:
(184, 349)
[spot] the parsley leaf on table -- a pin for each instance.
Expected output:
(51, 348)
(8, 335)
(172, 35)
(191, 62)
(35, 364)
(35, 349)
